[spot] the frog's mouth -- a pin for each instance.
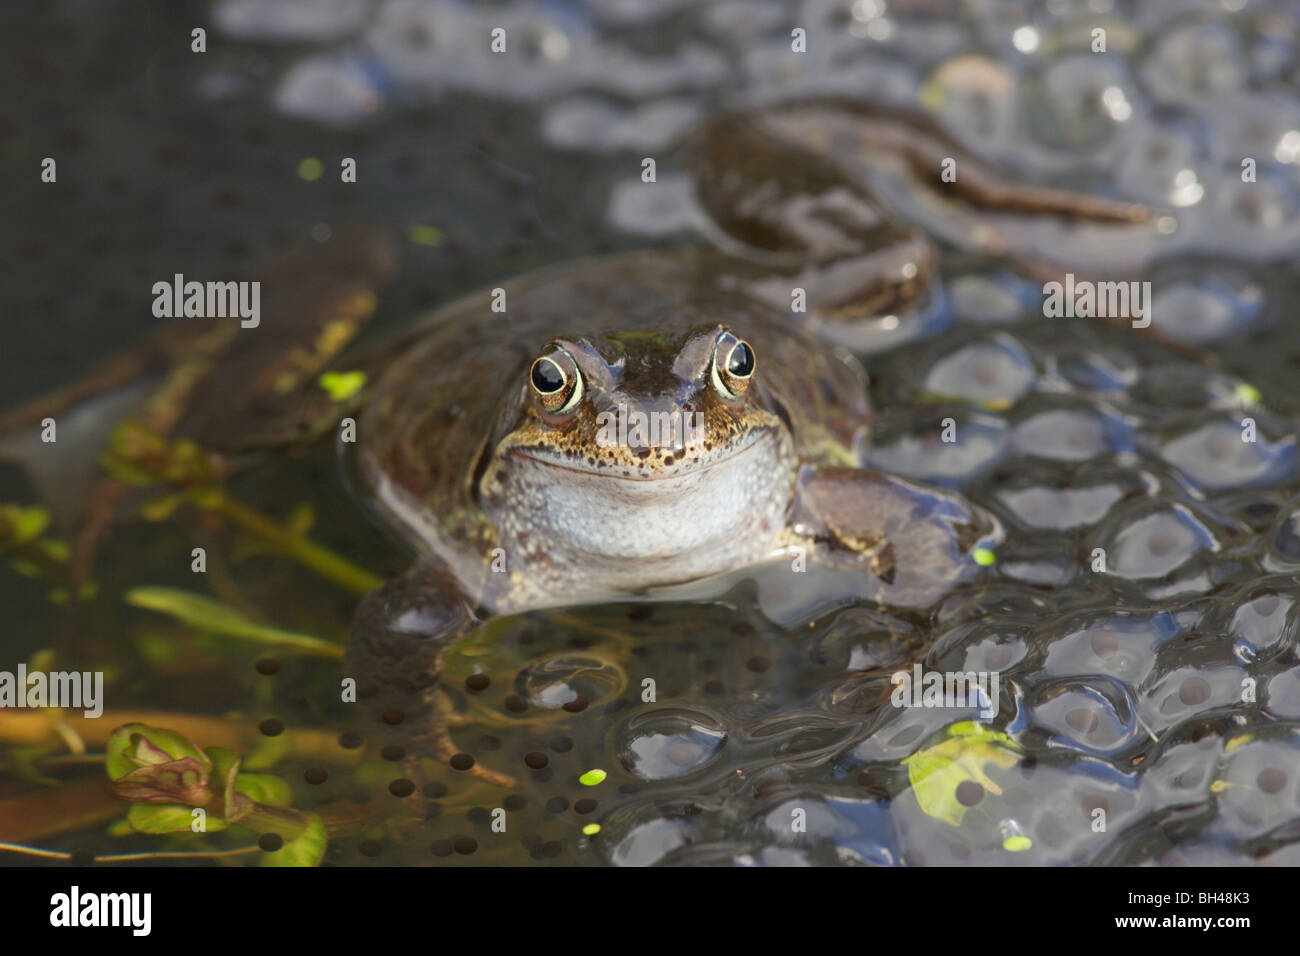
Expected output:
(657, 523)
(646, 466)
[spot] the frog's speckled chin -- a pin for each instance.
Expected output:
(694, 516)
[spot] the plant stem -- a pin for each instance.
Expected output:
(128, 857)
(321, 560)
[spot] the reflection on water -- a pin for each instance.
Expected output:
(1147, 715)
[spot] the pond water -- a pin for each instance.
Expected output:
(1144, 715)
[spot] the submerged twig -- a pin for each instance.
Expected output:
(131, 857)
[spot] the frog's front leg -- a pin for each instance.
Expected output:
(400, 635)
(915, 543)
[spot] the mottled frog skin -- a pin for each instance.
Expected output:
(484, 436)
(577, 517)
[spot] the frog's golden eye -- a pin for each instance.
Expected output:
(733, 366)
(556, 382)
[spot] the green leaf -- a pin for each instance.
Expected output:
(160, 509)
(167, 818)
(307, 849)
(55, 549)
(157, 649)
(211, 615)
(988, 405)
(342, 385)
(264, 788)
(424, 235)
(25, 762)
(127, 472)
(225, 770)
(936, 772)
(268, 751)
(22, 523)
(138, 745)
(310, 168)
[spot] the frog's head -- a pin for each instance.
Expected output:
(642, 445)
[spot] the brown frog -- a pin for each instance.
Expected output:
(639, 421)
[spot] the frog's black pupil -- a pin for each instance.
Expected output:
(547, 377)
(740, 362)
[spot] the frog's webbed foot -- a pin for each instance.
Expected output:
(916, 543)
(400, 635)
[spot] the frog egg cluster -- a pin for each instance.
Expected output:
(1168, 113)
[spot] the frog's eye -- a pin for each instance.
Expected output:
(556, 382)
(733, 366)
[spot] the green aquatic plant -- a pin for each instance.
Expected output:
(36, 555)
(140, 457)
(968, 751)
(175, 787)
(214, 617)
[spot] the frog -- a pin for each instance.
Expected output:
(509, 449)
